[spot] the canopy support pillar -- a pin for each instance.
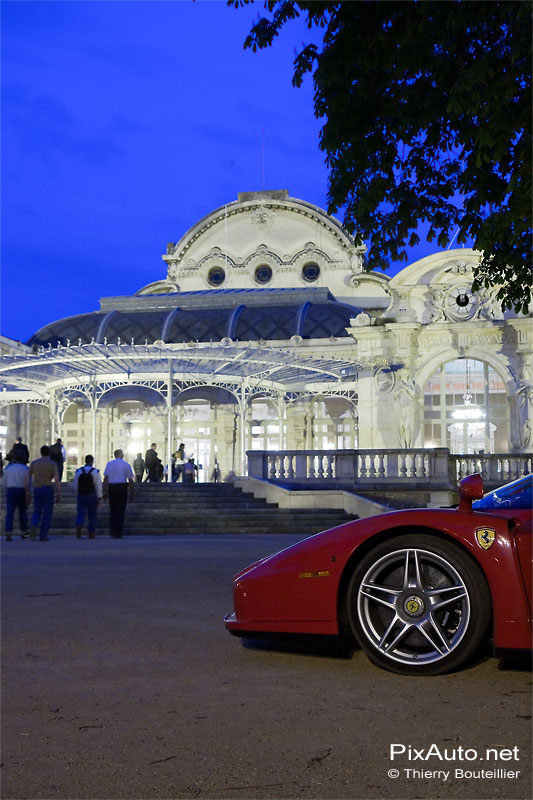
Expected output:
(169, 423)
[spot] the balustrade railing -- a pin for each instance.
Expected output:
(493, 468)
(435, 467)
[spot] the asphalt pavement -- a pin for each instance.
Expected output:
(120, 681)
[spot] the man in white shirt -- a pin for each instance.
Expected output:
(117, 476)
(88, 485)
(14, 482)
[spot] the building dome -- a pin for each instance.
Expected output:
(210, 316)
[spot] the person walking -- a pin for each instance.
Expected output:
(59, 455)
(190, 471)
(179, 459)
(152, 463)
(14, 482)
(118, 475)
(138, 467)
(215, 475)
(88, 485)
(44, 477)
(19, 452)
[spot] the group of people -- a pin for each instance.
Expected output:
(183, 467)
(41, 476)
(42, 479)
(19, 453)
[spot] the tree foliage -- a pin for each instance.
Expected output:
(427, 109)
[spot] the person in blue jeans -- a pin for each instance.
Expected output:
(88, 485)
(14, 482)
(44, 478)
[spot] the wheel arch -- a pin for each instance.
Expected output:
(389, 535)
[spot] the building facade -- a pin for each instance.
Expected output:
(266, 333)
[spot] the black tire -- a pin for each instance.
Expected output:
(418, 605)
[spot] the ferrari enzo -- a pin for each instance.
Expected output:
(421, 591)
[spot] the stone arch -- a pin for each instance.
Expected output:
(465, 403)
(268, 203)
(498, 363)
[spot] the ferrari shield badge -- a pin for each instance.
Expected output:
(485, 537)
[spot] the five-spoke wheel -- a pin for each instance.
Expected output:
(418, 605)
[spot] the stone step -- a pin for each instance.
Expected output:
(198, 508)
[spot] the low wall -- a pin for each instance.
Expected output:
(434, 469)
(324, 498)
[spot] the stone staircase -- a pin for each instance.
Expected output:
(201, 508)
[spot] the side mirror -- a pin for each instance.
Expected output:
(470, 489)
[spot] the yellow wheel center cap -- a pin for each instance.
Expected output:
(414, 606)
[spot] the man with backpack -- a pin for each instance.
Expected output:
(88, 485)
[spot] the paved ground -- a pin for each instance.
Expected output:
(121, 682)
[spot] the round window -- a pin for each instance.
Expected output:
(310, 272)
(216, 276)
(263, 274)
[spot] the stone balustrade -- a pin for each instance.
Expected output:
(434, 468)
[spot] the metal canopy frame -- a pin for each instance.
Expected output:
(226, 363)
(56, 377)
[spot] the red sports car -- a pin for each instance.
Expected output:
(419, 590)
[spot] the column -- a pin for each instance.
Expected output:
(242, 423)
(281, 419)
(169, 425)
(52, 410)
(368, 406)
(94, 403)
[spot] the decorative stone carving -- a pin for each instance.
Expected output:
(524, 406)
(437, 299)
(488, 307)
(262, 219)
(356, 261)
(405, 408)
(362, 320)
(461, 268)
(385, 380)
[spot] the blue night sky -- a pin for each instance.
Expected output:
(124, 123)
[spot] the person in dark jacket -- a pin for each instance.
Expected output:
(152, 463)
(58, 454)
(19, 452)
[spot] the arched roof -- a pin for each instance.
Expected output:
(243, 315)
(432, 269)
(266, 201)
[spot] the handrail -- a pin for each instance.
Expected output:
(431, 467)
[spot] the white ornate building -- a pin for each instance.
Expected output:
(266, 334)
